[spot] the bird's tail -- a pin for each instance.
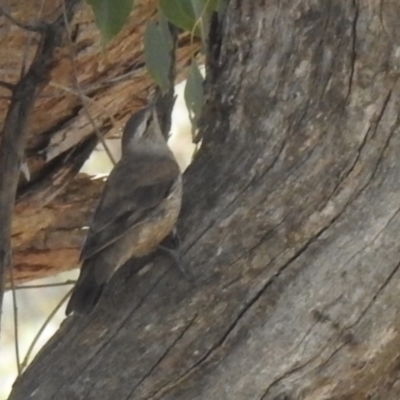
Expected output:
(86, 293)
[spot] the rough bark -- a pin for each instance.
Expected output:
(290, 224)
(14, 133)
(46, 229)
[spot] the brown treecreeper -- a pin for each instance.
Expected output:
(138, 208)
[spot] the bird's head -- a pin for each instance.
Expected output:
(142, 130)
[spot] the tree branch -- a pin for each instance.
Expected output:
(6, 85)
(14, 130)
(39, 27)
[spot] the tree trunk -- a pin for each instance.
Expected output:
(290, 227)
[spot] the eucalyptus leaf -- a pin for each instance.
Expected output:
(111, 16)
(157, 53)
(201, 18)
(194, 93)
(165, 31)
(189, 15)
(179, 13)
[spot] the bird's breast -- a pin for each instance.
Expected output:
(146, 236)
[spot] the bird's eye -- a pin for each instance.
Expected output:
(149, 120)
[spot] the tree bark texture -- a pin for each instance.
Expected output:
(47, 223)
(290, 226)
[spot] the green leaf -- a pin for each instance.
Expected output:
(178, 13)
(201, 18)
(194, 93)
(185, 13)
(164, 29)
(157, 53)
(111, 16)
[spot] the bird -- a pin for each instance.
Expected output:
(137, 210)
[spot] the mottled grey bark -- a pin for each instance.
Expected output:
(291, 227)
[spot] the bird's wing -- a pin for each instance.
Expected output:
(130, 193)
